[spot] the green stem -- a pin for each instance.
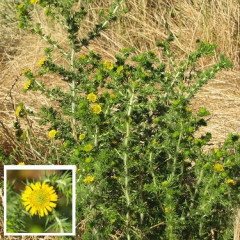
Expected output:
(125, 158)
(152, 172)
(177, 150)
(196, 191)
(48, 39)
(58, 222)
(73, 89)
(96, 136)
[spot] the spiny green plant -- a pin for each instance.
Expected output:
(127, 125)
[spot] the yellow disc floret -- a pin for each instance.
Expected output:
(52, 133)
(81, 136)
(42, 61)
(108, 65)
(18, 110)
(88, 147)
(26, 71)
(96, 108)
(92, 97)
(219, 167)
(230, 182)
(27, 85)
(34, 1)
(39, 198)
(89, 179)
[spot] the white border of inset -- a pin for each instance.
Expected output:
(42, 167)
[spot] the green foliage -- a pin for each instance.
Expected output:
(4, 157)
(141, 172)
(15, 222)
(63, 184)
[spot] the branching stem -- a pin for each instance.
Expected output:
(73, 89)
(177, 150)
(96, 136)
(152, 171)
(58, 222)
(125, 157)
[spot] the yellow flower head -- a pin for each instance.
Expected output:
(108, 65)
(81, 136)
(82, 56)
(21, 163)
(88, 147)
(188, 109)
(96, 108)
(27, 84)
(119, 69)
(88, 159)
(112, 95)
(41, 62)
(114, 177)
(230, 182)
(218, 167)
(114, 142)
(52, 133)
(34, 1)
(92, 97)
(89, 179)
(39, 198)
(145, 74)
(18, 110)
(216, 150)
(26, 71)
(20, 6)
(23, 135)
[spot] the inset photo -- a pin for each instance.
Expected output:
(39, 200)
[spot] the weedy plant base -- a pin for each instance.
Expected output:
(128, 127)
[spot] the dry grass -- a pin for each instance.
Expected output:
(215, 21)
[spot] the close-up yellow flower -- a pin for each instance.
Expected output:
(52, 133)
(18, 110)
(21, 163)
(27, 84)
(230, 182)
(89, 179)
(34, 1)
(41, 62)
(39, 198)
(108, 65)
(88, 147)
(96, 108)
(218, 167)
(92, 97)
